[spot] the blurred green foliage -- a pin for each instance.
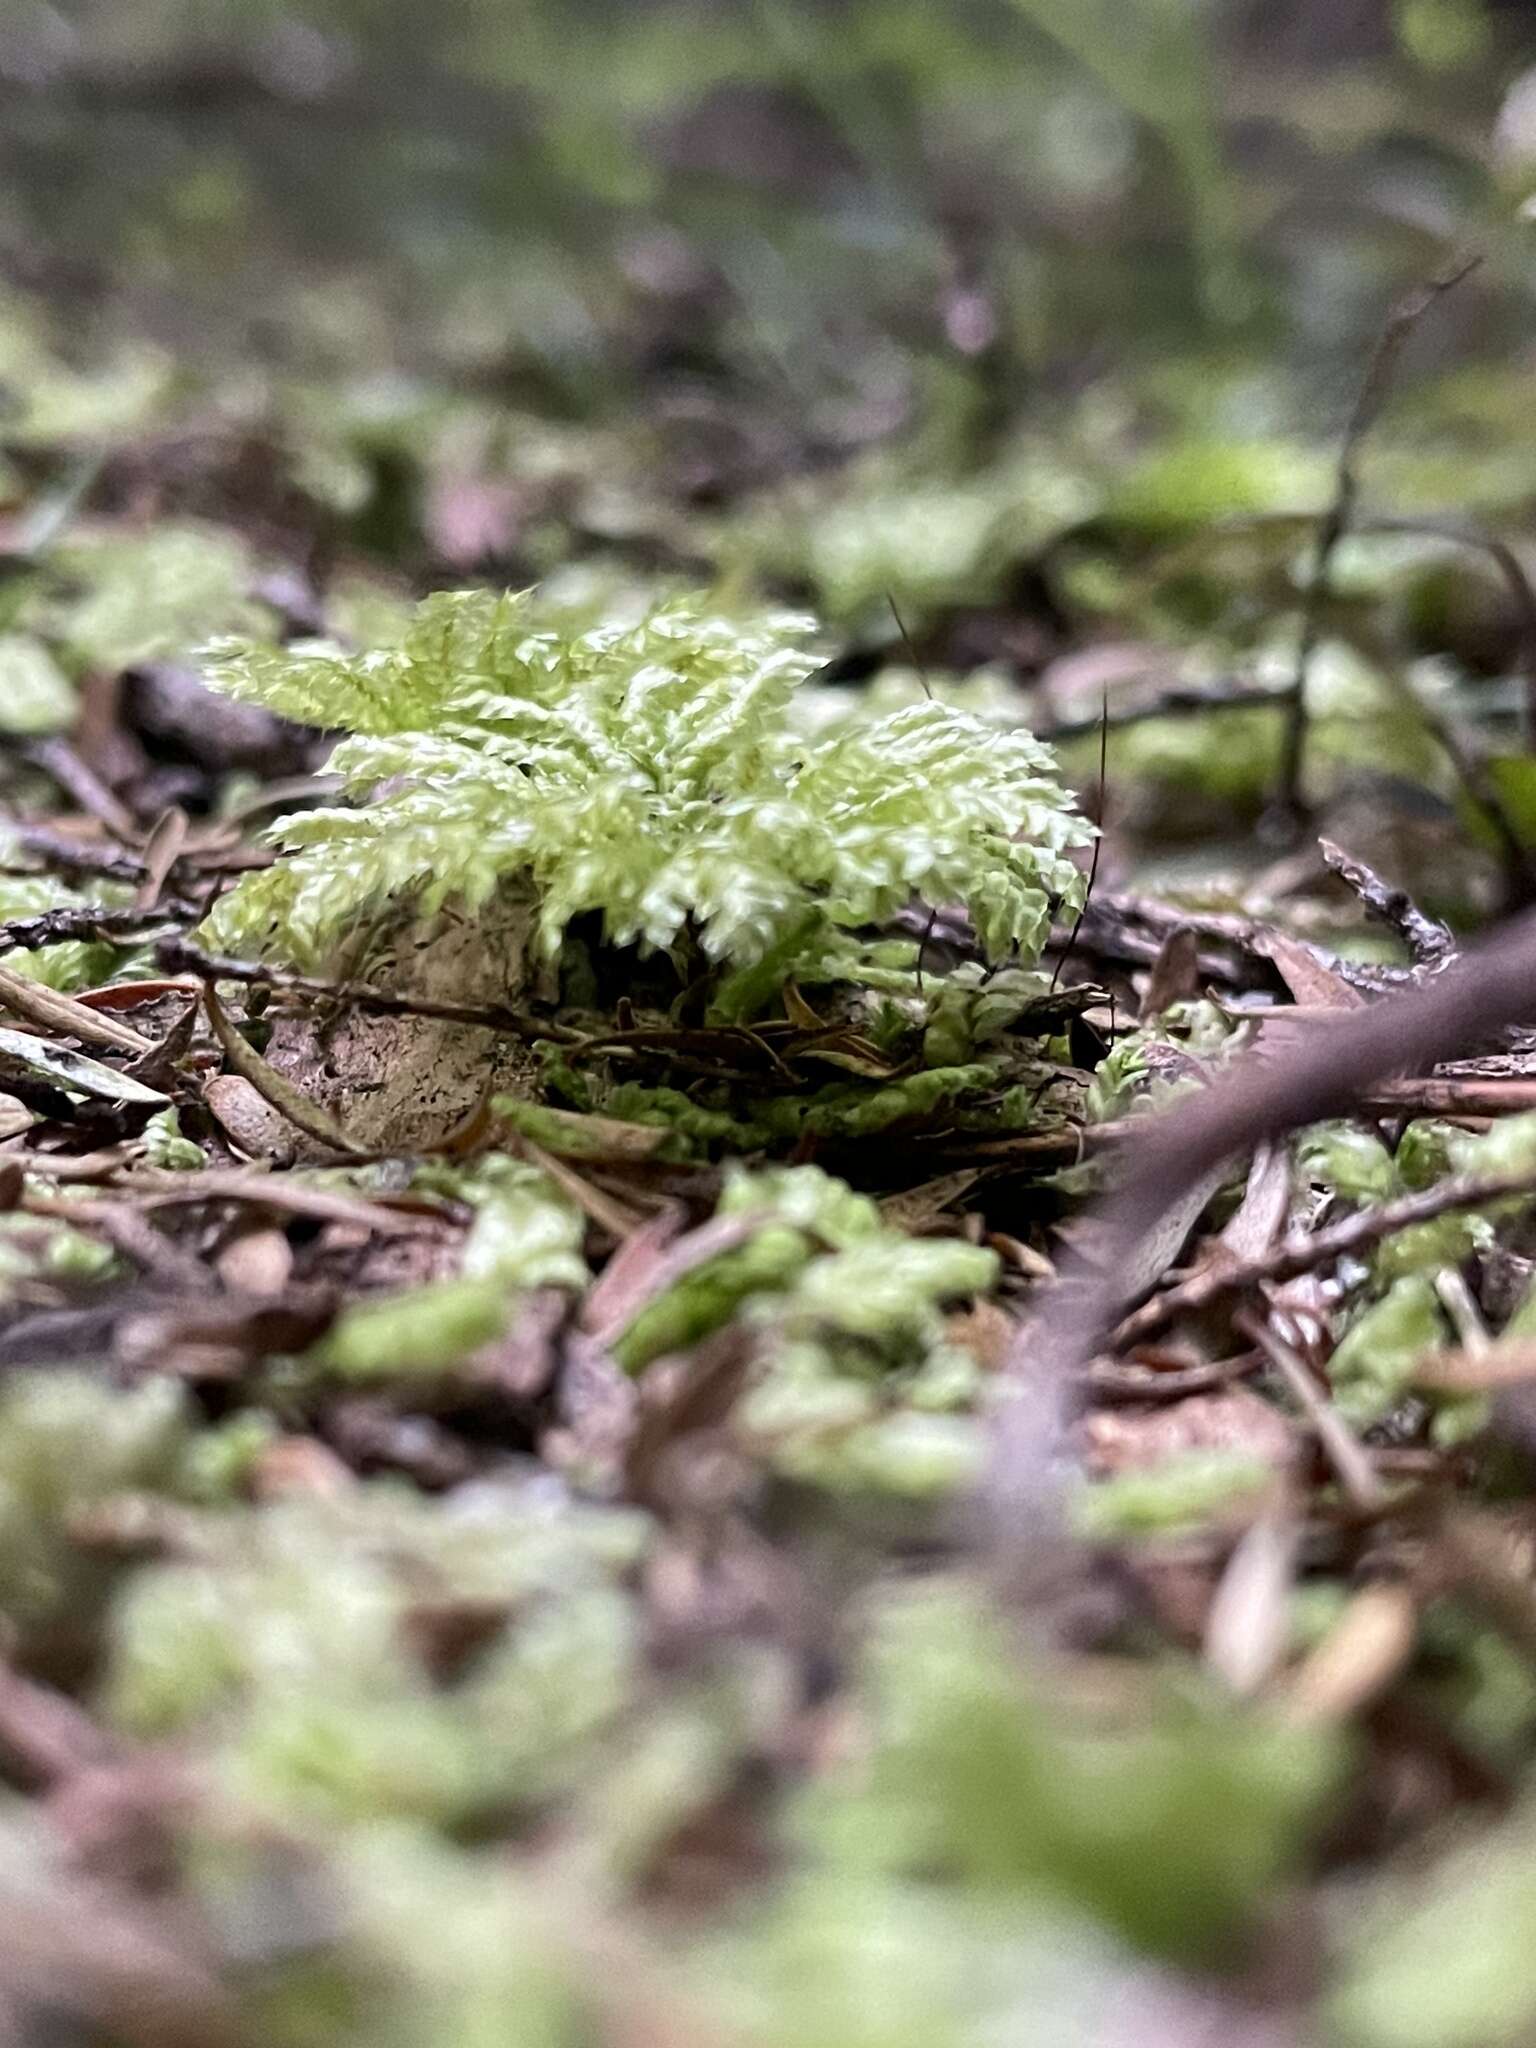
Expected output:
(1001, 334)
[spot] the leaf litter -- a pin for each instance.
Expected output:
(655, 1344)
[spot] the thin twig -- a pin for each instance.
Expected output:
(1341, 1446)
(906, 641)
(1101, 807)
(177, 955)
(52, 1012)
(300, 1110)
(279, 1192)
(129, 1233)
(1306, 1251)
(79, 856)
(1323, 1075)
(1429, 942)
(77, 779)
(90, 923)
(1335, 523)
(1473, 775)
(1179, 700)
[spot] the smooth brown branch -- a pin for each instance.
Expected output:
(1306, 1251)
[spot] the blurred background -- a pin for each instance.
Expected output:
(840, 203)
(988, 309)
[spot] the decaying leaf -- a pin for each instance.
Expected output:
(43, 1059)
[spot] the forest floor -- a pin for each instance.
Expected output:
(974, 1483)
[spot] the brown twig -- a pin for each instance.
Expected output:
(1100, 809)
(1306, 1251)
(77, 779)
(1429, 942)
(90, 923)
(79, 856)
(1340, 1445)
(52, 1012)
(1108, 1382)
(1404, 316)
(303, 1113)
(278, 1192)
(129, 1233)
(1451, 1095)
(1473, 774)
(1178, 700)
(1325, 1074)
(178, 955)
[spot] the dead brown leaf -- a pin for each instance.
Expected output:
(250, 1122)
(1312, 983)
(162, 849)
(1175, 975)
(273, 1087)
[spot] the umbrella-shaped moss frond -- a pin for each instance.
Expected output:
(651, 773)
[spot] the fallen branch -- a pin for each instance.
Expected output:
(1452, 1095)
(1177, 700)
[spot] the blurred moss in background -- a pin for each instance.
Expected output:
(870, 214)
